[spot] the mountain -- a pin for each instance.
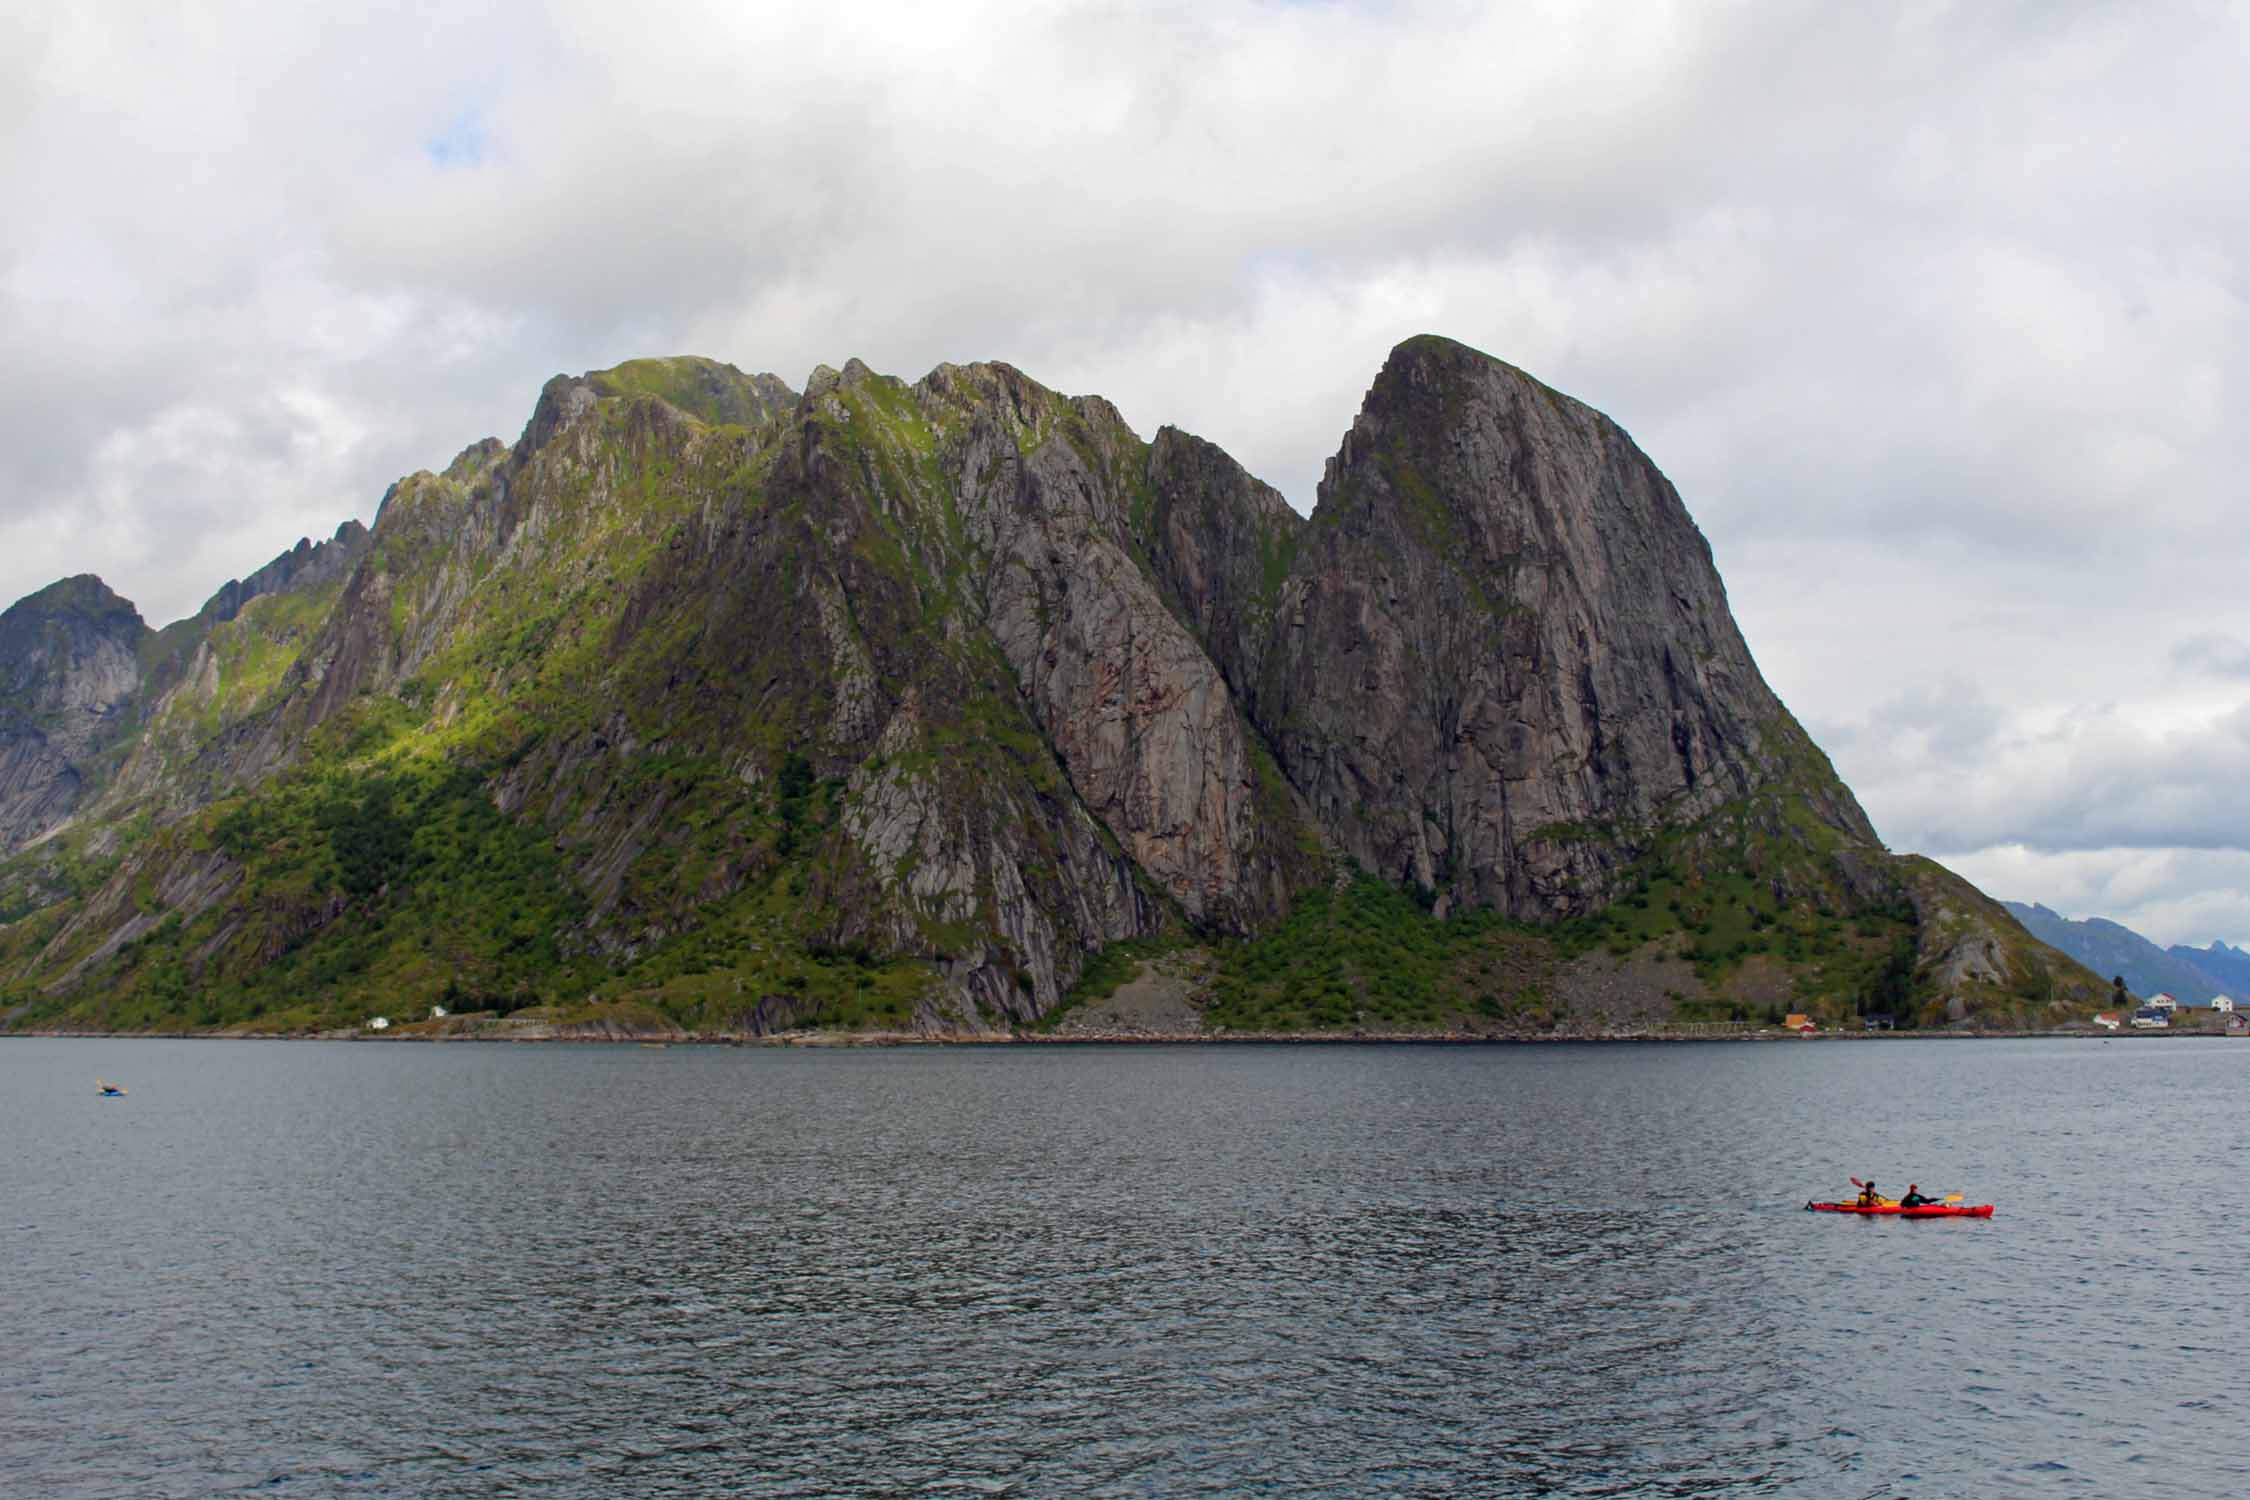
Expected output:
(2228, 968)
(713, 703)
(2108, 948)
(1505, 659)
(69, 679)
(79, 670)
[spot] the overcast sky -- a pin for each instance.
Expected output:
(1935, 313)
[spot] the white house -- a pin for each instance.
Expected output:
(2163, 1002)
(437, 1012)
(378, 1023)
(2149, 1018)
(2106, 1021)
(2222, 1003)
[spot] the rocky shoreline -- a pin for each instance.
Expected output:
(612, 1033)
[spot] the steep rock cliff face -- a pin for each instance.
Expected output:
(1142, 718)
(1503, 661)
(1220, 543)
(820, 612)
(70, 676)
(204, 676)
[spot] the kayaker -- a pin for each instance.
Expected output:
(1868, 1197)
(1914, 1198)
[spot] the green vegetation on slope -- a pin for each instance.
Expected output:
(1369, 955)
(619, 688)
(704, 389)
(402, 883)
(359, 887)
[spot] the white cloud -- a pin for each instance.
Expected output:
(1936, 314)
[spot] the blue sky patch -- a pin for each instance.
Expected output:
(459, 144)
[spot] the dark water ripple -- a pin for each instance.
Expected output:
(1576, 1271)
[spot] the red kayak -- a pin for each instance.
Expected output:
(1926, 1211)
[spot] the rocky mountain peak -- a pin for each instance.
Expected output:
(1503, 656)
(70, 671)
(306, 565)
(72, 642)
(562, 400)
(475, 459)
(1006, 394)
(82, 595)
(706, 389)
(1221, 542)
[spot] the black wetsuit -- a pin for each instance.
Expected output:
(1914, 1200)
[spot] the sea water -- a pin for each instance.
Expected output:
(1573, 1270)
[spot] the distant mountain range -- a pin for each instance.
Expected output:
(2229, 966)
(2189, 975)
